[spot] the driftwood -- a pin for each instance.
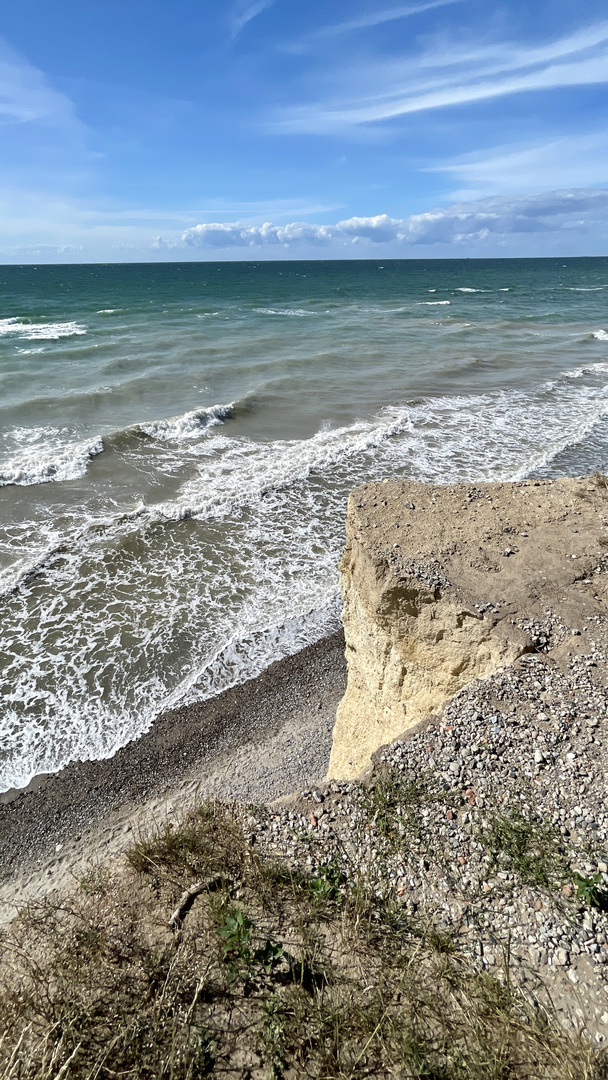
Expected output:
(190, 895)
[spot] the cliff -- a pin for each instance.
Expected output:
(445, 584)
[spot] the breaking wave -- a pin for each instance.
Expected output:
(295, 312)
(40, 331)
(187, 425)
(46, 455)
(139, 610)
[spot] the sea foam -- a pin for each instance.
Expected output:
(46, 456)
(187, 425)
(129, 616)
(40, 331)
(295, 312)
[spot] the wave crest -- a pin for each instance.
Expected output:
(40, 331)
(48, 457)
(187, 425)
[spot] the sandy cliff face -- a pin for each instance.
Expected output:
(442, 585)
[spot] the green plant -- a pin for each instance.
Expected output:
(271, 953)
(591, 890)
(272, 1036)
(236, 934)
(328, 882)
(394, 804)
(528, 848)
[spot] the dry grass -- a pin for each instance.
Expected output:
(271, 973)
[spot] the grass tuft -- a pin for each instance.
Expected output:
(526, 847)
(272, 973)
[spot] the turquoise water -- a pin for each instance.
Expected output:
(177, 443)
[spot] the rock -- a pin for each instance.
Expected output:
(427, 614)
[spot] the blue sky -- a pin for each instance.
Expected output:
(148, 130)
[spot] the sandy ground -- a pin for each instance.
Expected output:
(254, 743)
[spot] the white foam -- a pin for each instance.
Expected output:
(108, 310)
(244, 658)
(587, 369)
(46, 455)
(463, 289)
(297, 312)
(251, 470)
(187, 425)
(432, 303)
(129, 617)
(600, 335)
(40, 331)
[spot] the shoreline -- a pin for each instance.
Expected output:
(255, 742)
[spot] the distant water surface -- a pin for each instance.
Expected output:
(177, 443)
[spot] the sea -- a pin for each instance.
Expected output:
(178, 442)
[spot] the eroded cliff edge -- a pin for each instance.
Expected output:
(446, 584)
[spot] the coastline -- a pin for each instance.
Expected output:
(484, 819)
(255, 742)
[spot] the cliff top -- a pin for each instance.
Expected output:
(524, 544)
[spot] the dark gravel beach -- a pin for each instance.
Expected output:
(255, 742)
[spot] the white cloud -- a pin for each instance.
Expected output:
(458, 224)
(453, 76)
(244, 13)
(571, 161)
(234, 234)
(376, 18)
(26, 96)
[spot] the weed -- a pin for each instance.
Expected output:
(237, 952)
(269, 955)
(236, 934)
(600, 480)
(318, 894)
(95, 881)
(394, 805)
(592, 891)
(208, 841)
(328, 883)
(528, 848)
(281, 974)
(272, 1036)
